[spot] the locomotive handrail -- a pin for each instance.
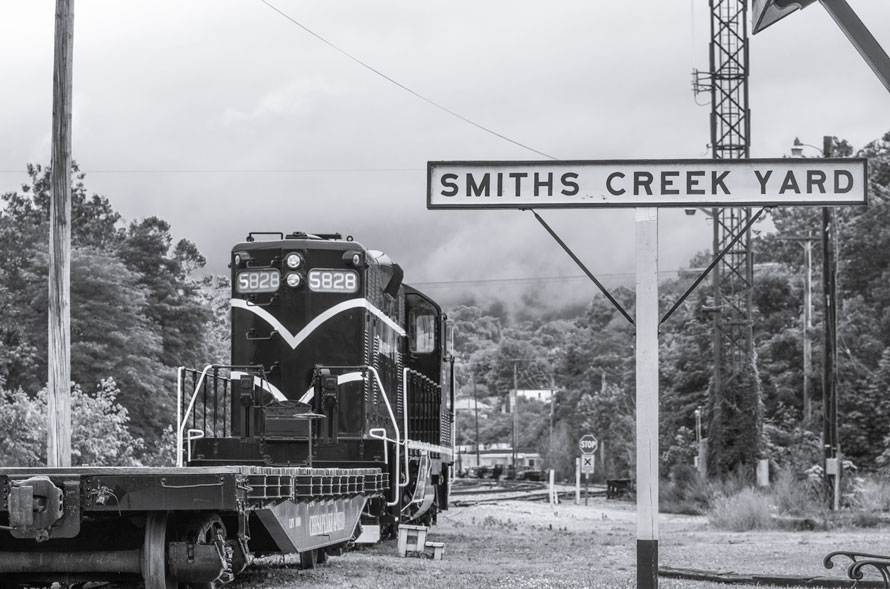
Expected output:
(193, 434)
(397, 441)
(405, 418)
(181, 420)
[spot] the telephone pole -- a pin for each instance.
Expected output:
(476, 403)
(806, 242)
(829, 375)
(514, 406)
(58, 426)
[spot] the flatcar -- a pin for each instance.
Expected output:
(332, 425)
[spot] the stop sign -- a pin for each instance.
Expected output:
(588, 444)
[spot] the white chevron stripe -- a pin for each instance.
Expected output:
(263, 384)
(295, 340)
(341, 378)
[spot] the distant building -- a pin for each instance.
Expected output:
(465, 404)
(542, 395)
(496, 454)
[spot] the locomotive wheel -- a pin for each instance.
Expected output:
(154, 553)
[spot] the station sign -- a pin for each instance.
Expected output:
(646, 183)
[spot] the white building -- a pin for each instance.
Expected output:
(465, 404)
(543, 395)
(491, 455)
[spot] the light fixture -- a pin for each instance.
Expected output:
(294, 280)
(293, 260)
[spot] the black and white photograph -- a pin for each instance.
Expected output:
(444, 295)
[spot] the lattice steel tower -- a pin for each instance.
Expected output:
(732, 283)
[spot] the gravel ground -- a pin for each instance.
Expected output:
(527, 545)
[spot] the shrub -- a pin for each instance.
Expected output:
(685, 492)
(871, 494)
(792, 495)
(741, 512)
(99, 434)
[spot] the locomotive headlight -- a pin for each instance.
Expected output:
(294, 280)
(293, 260)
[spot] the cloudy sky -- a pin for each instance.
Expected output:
(226, 116)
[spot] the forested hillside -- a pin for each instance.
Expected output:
(141, 307)
(589, 359)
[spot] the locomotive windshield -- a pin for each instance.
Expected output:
(422, 330)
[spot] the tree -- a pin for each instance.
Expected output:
(137, 311)
(99, 432)
(174, 303)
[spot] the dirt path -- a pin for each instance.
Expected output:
(519, 545)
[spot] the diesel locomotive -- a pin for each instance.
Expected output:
(331, 426)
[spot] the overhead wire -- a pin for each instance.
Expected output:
(237, 171)
(528, 279)
(403, 86)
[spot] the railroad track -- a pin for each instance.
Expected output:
(463, 496)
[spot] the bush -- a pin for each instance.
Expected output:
(793, 495)
(99, 434)
(685, 492)
(871, 494)
(744, 511)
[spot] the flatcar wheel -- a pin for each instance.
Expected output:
(154, 553)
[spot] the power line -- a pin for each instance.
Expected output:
(528, 279)
(402, 86)
(236, 171)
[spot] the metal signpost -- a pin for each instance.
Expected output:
(645, 185)
(588, 445)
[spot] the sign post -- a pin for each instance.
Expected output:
(645, 185)
(588, 445)
(647, 396)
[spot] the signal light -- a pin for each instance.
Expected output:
(294, 280)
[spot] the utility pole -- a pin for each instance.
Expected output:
(476, 402)
(58, 426)
(514, 406)
(832, 466)
(806, 242)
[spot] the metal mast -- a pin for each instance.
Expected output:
(730, 139)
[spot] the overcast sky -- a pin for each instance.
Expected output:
(224, 116)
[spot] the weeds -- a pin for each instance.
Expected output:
(790, 498)
(744, 511)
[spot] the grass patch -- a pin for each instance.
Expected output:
(744, 511)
